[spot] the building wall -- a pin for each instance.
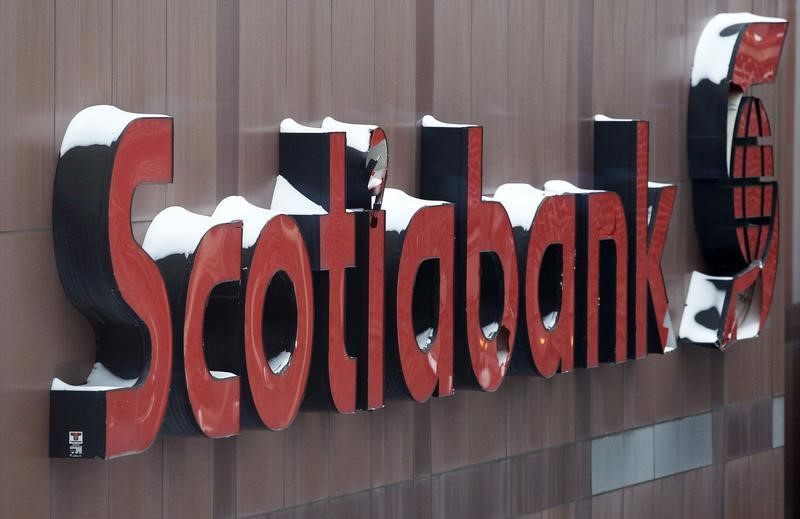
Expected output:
(533, 73)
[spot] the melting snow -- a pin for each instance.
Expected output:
(279, 362)
(358, 135)
(605, 118)
(424, 339)
(289, 125)
(521, 201)
(712, 58)
(560, 187)
(549, 320)
(288, 200)
(702, 295)
(490, 330)
(100, 379)
(400, 208)
(178, 231)
(99, 124)
(430, 121)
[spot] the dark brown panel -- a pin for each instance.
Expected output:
(140, 76)
(422, 441)
(561, 90)
(224, 478)
(525, 413)
(83, 58)
(397, 41)
(191, 100)
(188, 478)
(449, 432)
(135, 484)
(27, 128)
(350, 453)
(608, 506)
(487, 426)
(451, 60)
(227, 105)
(698, 497)
(640, 379)
(668, 497)
(353, 505)
(668, 403)
(353, 60)
(489, 104)
(778, 492)
(259, 472)
(526, 101)
(31, 355)
(559, 401)
(479, 491)
(570, 472)
(696, 366)
(737, 495)
(320, 509)
(607, 396)
(307, 459)
(638, 501)
(529, 480)
(308, 60)
(262, 95)
(391, 443)
(79, 489)
(748, 428)
(568, 511)
(408, 499)
(761, 485)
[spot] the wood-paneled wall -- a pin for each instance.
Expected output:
(532, 72)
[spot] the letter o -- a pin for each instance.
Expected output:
(280, 248)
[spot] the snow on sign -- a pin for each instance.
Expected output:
(345, 292)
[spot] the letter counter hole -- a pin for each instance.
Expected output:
(280, 322)
(425, 303)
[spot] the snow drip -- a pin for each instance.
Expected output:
(100, 379)
(521, 201)
(712, 58)
(560, 187)
(430, 121)
(401, 207)
(607, 119)
(287, 199)
(99, 124)
(176, 230)
(357, 135)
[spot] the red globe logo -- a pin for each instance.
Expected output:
(751, 163)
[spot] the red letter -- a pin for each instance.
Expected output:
(429, 235)
(337, 252)
(452, 158)
(215, 402)
(280, 249)
(606, 222)
(551, 346)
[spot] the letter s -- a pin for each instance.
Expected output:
(105, 155)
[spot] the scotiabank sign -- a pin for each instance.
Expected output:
(346, 293)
